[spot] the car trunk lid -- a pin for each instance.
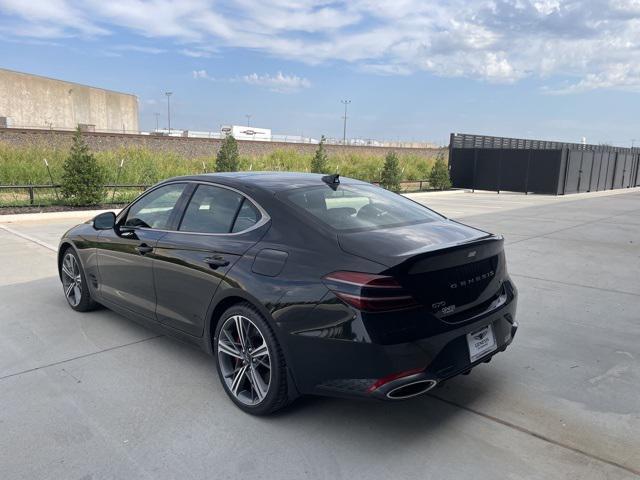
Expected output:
(447, 267)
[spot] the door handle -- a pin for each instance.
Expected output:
(217, 261)
(144, 248)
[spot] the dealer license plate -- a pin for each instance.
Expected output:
(481, 342)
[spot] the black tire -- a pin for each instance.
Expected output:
(277, 393)
(86, 303)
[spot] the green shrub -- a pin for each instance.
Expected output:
(82, 177)
(320, 159)
(227, 159)
(391, 174)
(439, 176)
(20, 165)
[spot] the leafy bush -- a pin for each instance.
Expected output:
(391, 174)
(82, 177)
(320, 159)
(439, 176)
(227, 159)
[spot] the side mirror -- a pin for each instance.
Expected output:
(104, 221)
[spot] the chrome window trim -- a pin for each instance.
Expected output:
(264, 216)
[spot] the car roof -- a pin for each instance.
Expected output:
(267, 181)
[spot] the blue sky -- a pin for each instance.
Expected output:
(413, 69)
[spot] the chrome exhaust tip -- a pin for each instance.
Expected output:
(412, 389)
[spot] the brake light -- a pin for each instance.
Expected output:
(369, 292)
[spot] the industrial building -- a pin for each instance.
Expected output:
(32, 101)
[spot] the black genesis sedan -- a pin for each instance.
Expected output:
(299, 283)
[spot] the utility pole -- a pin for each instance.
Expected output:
(344, 127)
(168, 94)
(157, 115)
(248, 119)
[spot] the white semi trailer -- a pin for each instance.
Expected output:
(247, 133)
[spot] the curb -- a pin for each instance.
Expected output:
(437, 193)
(26, 217)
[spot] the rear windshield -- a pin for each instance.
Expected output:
(355, 207)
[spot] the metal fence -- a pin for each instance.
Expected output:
(539, 166)
(18, 195)
(41, 195)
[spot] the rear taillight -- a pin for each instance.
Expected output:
(369, 292)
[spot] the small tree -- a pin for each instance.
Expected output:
(439, 176)
(82, 176)
(390, 176)
(227, 159)
(320, 159)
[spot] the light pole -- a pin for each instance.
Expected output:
(248, 119)
(157, 115)
(344, 127)
(168, 94)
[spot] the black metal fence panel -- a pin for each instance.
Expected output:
(538, 166)
(543, 171)
(602, 174)
(572, 175)
(618, 175)
(595, 171)
(487, 169)
(585, 171)
(636, 175)
(462, 168)
(513, 178)
(611, 167)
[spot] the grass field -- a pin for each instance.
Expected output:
(24, 166)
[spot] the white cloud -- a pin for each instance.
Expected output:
(139, 48)
(200, 74)
(278, 82)
(195, 53)
(47, 19)
(596, 43)
(621, 76)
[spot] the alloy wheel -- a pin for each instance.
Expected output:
(71, 279)
(244, 360)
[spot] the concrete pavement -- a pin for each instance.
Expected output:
(97, 396)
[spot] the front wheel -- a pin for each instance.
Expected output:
(74, 283)
(250, 362)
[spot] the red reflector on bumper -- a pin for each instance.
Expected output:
(390, 378)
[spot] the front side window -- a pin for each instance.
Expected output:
(154, 209)
(215, 210)
(353, 207)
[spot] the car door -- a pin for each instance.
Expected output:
(125, 254)
(217, 227)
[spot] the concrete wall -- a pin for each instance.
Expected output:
(188, 147)
(33, 101)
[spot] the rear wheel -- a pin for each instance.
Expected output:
(74, 282)
(250, 362)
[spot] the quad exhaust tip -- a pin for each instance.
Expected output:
(412, 389)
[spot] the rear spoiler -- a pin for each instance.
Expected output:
(458, 254)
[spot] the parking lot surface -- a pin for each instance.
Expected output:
(94, 395)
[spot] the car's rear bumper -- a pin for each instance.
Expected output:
(355, 369)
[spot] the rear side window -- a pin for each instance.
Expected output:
(248, 216)
(218, 210)
(354, 207)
